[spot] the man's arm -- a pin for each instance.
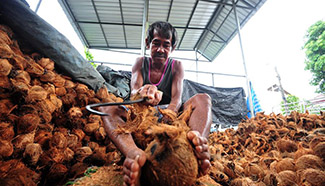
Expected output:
(177, 86)
(136, 78)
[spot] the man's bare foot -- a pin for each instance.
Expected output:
(133, 162)
(201, 150)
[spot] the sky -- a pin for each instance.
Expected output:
(272, 38)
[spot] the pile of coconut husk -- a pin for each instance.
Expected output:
(267, 150)
(46, 135)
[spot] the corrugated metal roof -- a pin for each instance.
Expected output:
(203, 25)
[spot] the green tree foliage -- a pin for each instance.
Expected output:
(292, 104)
(90, 57)
(315, 54)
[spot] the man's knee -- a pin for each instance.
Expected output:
(202, 98)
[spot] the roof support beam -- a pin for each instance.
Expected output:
(144, 27)
(101, 26)
(244, 61)
(227, 4)
(188, 23)
(170, 8)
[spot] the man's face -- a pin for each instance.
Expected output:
(160, 48)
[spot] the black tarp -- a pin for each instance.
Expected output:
(45, 39)
(228, 104)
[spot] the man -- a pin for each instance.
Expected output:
(149, 75)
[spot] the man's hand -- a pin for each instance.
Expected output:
(201, 150)
(152, 93)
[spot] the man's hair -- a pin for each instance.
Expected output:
(164, 29)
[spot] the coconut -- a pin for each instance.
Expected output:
(285, 145)
(59, 81)
(46, 63)
(48, 76)
(43, 138)
(170, 159)
(22, 76)
(319, 150)
(4, 82)
(102, 93)
(6, 148)
(20, 86)
(27, 123)
(60, 91)
(56, 101)
(241, 182)
(254, 171)
(284, 164)
(32, 153)
(286, 178)
(58, 140)
(80, 133)
(81, 88)
(78, 169)
(57, 174)
(82, 99)
(312, 177)
(6, 131)
(5, 51)
(20, 141)
(49, 87)
(69, 84)
(310, 161)
(82, 153)
(100, 134)
(5, 67)
(4, 38)
(5, 106)
(91, 127)
(34, 69)
(45, 116)
(68, 154)
(36, 93)
(75, 112)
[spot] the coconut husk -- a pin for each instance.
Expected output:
(4, 38)
(43, 138)
(73, 141)
(310, 161)
(5, 82)
(5, 107)
(241, 182)
(91, 128)
(55, 155)
(59, 81)
(27, 123)
(80, 133)
(286, 178)
(6, 131)
(75, 112)
(69, 84)
(100, 134)
(285, 145)
(68, 155)
(5, 51)
(46, 63)
(49, 87)
(302, 151)
(81, 88)
(32, 153)
(102, 93)
(48, 76)
(7, 30)
(56, 101)
(60, 91)
(20, 87)
(78, 170)
(36, 81)
(45, 105)
(69, 100)
(170, 159)
(82, 153)
(22, 76)
(284, 164)
(312, 177)
(45, 117)
(36, 93)
(82, 100)
(5, 67)
(34, 69)
(6, 148)
(20, 141)
(57, 174)
(59, 140)
(254, 171)
(319, 150)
